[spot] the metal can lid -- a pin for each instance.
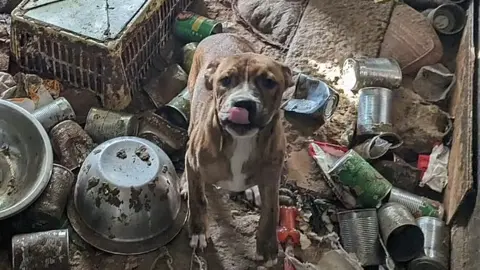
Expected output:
(350, 74)
(426, 263)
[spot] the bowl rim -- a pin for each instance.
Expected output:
(45, 171)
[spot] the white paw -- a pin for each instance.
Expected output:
(184, 190)
(253, 196)
(198, 241)
(270, 263)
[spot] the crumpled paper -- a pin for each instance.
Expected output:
(436, 175)
(31, 86)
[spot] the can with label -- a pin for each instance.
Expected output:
(177, 111)
(369, 186)
(193, 27)
(419, 206)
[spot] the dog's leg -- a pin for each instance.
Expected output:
(267, 244)
(197, 201)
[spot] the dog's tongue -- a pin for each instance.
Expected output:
(238, 116)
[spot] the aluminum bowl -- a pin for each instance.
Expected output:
(127, 198)
(26, 159)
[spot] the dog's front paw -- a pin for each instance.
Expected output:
(267, 251)
(198, 241)
(184, 187)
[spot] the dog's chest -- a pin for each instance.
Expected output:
(243, 149)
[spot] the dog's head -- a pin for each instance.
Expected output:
(248, 89)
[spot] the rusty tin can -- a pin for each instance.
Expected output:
(313, 97)
(369, 186)
(188, 51)
(436, 246)
(156, 129)
(70, 143)
(374, 112)
(177, 111)
(193, 27)
(404, 239)
(366, 72)
(417, 205)
(47, 212)
(41, 250)
(360, 235)
(54, 113)
(103, 125)
(447, 19)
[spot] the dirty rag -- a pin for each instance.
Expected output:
(436, 175)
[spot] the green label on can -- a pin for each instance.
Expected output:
(369, 186)
(431, 208)
(192, 27)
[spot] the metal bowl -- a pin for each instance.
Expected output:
(26, 159)
(127, 197)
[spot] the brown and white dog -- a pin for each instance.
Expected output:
(236, 138)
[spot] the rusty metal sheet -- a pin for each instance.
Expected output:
(460, 178)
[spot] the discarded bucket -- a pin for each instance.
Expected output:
(369, 186)
(192, 27)
(447, 19)
(374, 111)
(360, 235)
(177, 111)
(41, 250)
(437, 245)
(366, 72)
(417, 205)
(187, 55)
(54, 113)
(157, 130)
(103, 125)
(70, 143)
(403, 238)
(313, 97)
(47, 212)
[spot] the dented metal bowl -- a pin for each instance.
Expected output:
(26, 159)
(127, 198)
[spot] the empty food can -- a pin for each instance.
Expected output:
(403, 238)
(167, 85)
(71, 144)
(417, 205)
(365, 72)
(187, 55)
(156, 129)
(378, 146)
(369, 186)
(41, 251)
(359, 234)
(437, 245)
(447, 19)
(177, 111)
(193, 27)
(54, 113)
(103, 125)
(374, 111)
(46, 213)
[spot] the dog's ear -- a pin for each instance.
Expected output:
(209, 72)
(287, 75)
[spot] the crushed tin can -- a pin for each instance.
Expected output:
(313, 97)
(47, 212)
(436, 246)
(177, 111)
(41, 250)
(103, 125)
(417, 205)
(193, 27)
(187, 55)
(156, 129)
(167, 85)
(447, 19)
(378, 146)
(403, 238)
(359, 234)
(369, 186)
(71, 144)
(54, 113)
(364, 72)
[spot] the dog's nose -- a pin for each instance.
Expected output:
(248, 105)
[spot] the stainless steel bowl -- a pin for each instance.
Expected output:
(26, 159)
(127, 199)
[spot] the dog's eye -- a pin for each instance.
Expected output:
(226, 81)
(268, 83)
